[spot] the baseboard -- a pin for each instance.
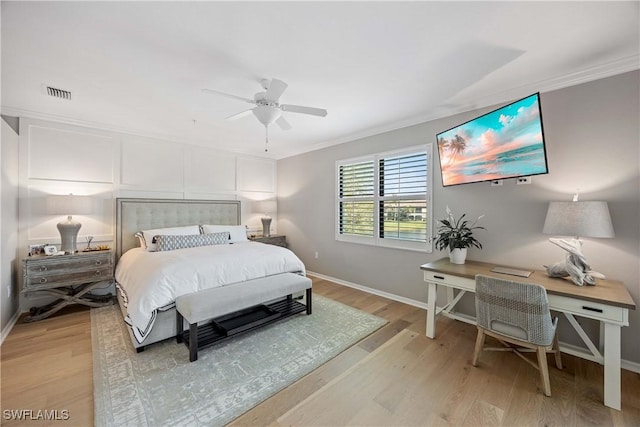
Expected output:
(568, 348)
(630, 366)
(369, 290)
(7, 329)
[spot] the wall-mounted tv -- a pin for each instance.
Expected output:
(505, 143)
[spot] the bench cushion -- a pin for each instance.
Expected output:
(199, 306)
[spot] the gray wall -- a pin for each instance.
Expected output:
(592, 138)
(8, 226)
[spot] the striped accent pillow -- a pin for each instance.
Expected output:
(173, 242)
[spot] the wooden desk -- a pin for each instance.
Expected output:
(608, 302)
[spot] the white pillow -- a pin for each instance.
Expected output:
(171, 231)
(238, 233)
(141, 241)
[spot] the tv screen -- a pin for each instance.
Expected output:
(505, 143)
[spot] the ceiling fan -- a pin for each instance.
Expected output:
(267, 108)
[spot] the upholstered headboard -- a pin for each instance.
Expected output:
(133, 215)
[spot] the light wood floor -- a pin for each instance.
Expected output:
(396, 376)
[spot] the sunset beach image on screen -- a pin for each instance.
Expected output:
(504, 143)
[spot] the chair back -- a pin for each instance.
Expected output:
(515, 309)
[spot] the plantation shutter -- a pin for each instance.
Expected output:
(402, 199)
(356, 198)
(384, 199)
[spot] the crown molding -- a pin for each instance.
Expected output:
(612, 68)
(609, 69)
(35, 115)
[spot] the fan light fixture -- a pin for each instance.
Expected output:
(268, 109)
(267, 114)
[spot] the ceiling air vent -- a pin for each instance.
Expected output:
(58, 93)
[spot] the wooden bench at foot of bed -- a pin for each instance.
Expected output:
(237, 308)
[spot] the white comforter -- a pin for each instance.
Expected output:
(150, 281)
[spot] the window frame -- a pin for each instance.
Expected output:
(375, 239)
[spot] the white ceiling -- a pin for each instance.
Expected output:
(139, 67)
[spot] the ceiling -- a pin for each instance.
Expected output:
(139, 67)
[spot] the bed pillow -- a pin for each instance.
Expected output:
(172, 231)
(238, 233)
(141, 242)
(173, 242)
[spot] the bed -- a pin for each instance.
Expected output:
(148, 283)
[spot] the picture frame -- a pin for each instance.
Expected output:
(36, 250)
(50, 250)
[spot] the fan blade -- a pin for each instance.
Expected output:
(304, 110)
(283, 123)
(228, 95)
(276, 88)
(240, 114)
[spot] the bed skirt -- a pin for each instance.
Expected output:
(163, 328)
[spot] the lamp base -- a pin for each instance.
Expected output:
(68, 235)
(574, 265)
(266, 226)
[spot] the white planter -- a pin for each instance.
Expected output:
(457, 256)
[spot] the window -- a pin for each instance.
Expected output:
(385, 199)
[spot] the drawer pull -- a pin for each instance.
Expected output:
(43, 280)
(597, 310)
(43, 268)
(98, 262)
(438, 277)
(98, 272)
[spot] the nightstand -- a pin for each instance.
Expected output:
(272, 240)
(70, 278)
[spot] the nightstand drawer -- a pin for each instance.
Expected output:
(67, 279)
(56, 264)
(272, 240)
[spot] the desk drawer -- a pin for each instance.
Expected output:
(450, 280)
(588, 309)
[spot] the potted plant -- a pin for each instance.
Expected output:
(456, 235)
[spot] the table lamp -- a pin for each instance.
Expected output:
(69, 205)
(266, 207)
(577, 219)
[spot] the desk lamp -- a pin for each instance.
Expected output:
(69, 205)
(578, 219)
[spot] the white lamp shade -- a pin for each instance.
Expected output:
(579, 219)
(69, 205)
(265, 206)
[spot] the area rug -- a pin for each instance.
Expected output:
(160, 387)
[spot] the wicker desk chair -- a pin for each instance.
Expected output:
(516, 313)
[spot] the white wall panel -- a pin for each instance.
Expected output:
(210, 196)
(152, 164)
(58, 158)
(256, 175)
(69, 155)
(209, 171)
(41, 226)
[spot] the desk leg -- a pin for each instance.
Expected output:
(612, 397)
(450, 295)
(431, 310)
